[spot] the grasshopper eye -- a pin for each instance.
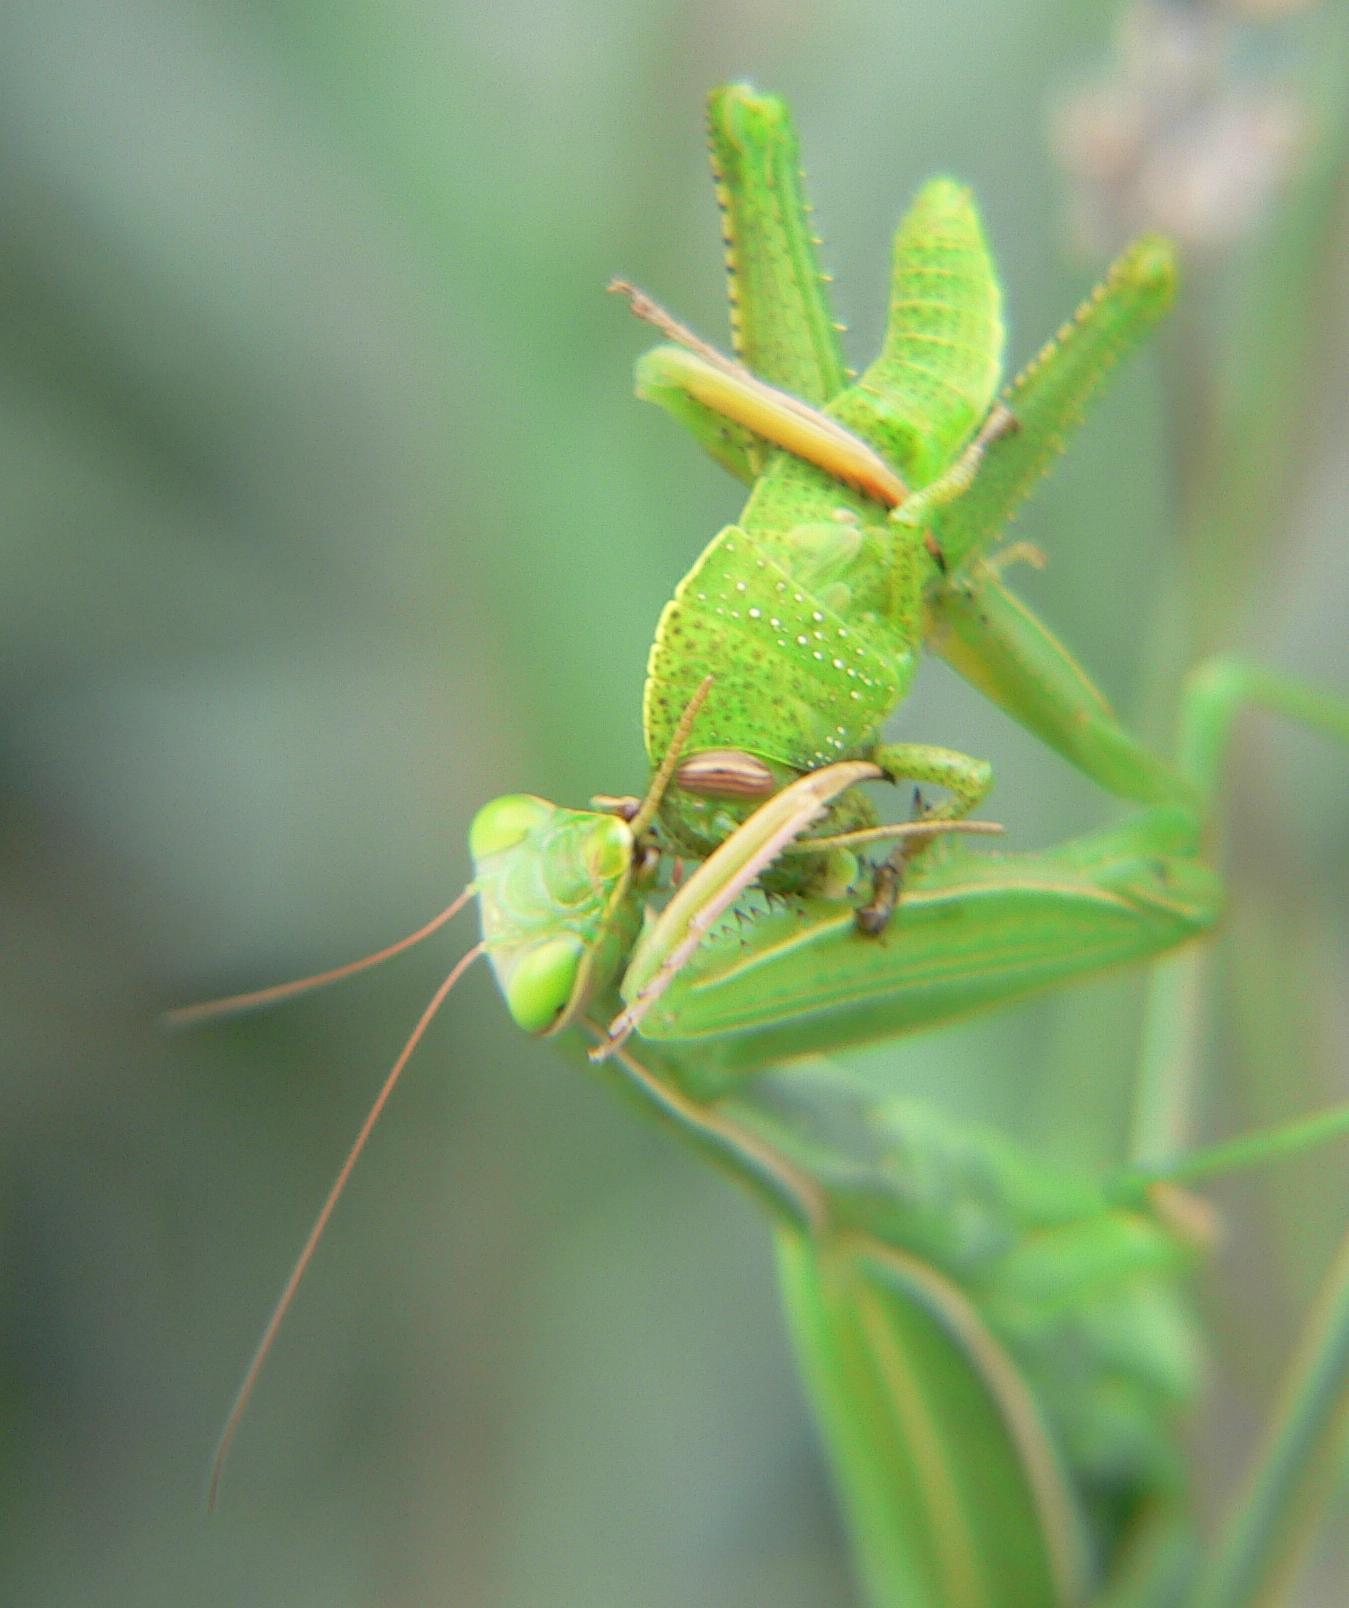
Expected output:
(505, 823)
(542, 983)
(726, 773)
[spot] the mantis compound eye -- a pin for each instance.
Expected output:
(505, 823)
(540, 983)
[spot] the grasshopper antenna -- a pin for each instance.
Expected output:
(189, 1015)
(283, 1305)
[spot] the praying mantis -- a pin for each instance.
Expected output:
(998, 1352)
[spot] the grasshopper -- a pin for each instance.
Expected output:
(865, 536)
(998, 1352)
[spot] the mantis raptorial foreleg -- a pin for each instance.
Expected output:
(777, 825)
(997, 1355)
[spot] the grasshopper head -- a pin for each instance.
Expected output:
(553, 888)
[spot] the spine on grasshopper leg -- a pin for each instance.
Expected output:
(781, 324)
(1049, 397)
(780, 319)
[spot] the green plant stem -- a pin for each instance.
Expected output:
(1259, 1548)
(1257, 1149)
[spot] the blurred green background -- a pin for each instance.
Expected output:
(329, 515)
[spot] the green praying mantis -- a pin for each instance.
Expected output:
(998, 1353)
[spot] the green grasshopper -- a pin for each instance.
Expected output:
(998, 1352)
(808, 617)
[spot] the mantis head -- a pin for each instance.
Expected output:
(553, 889)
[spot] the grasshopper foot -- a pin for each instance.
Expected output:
(873, 917)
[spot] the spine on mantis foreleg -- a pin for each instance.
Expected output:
(1048, 398)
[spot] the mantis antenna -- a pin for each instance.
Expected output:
(274, 995)
(283, 1305)
(268, 996)
(189, 1015)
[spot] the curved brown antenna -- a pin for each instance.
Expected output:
(661, 780)
(306, 1255)
(188, 1015)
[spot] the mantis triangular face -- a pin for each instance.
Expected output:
(553, 895)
